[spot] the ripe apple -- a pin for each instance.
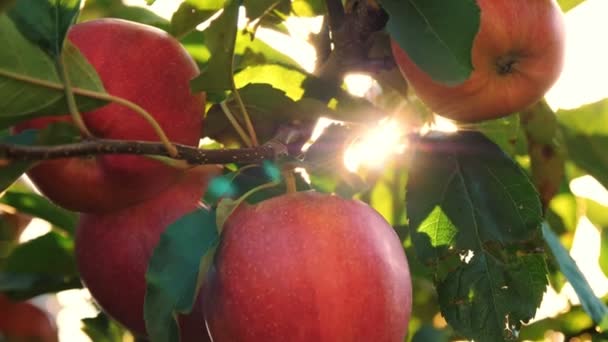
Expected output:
(113, 251)
(22, 321)
(308, 267)
(517, 55)
(150, 68)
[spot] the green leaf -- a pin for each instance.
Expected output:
(437, 35)
(586, 143)
(504, 132)
(475, 217)
(220, 38)
(486, 299)
(184, 252)
(45, 22)
(567, 5)
(592, 305)
(52, 134)
(268, 108)
(39, 206)
(23, 65)
(192, 13)
(281, 77)
(42, 265)
(102, 329)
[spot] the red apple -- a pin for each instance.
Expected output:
(517, 56)
(22, 321)
(113, 251)
(150, 68)
(308, 267)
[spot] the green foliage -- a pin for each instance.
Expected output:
(101, 328)
(592, 305)
(475, 220)
(437, 34)
(184, 252)
(586, 144)
(42, 265)
(471, 230)
(45, 22)
(23, 66)
(220, 38)
(39, 206)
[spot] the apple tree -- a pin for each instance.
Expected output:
(179, 166)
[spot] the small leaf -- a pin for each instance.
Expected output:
(42, 265)
(437, 34)
(102, 329)
(220, 38)
(592, 305)
(39, 206)
(21, 59)
(475, 219)
(45, 22)
(184, 252)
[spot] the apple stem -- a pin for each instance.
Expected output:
(71, 101)
(290, 179)
(248, 123)
(99, 96)
(235, 124)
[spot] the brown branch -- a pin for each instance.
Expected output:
(272, 150)
(335, 13)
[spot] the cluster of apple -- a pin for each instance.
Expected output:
(303, 266)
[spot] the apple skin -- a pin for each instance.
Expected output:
(147, 66)
(308, 267)
(517, 56)
(113, 251)
(22, 321)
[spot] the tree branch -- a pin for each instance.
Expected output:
(272, 150)
(335, 13)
